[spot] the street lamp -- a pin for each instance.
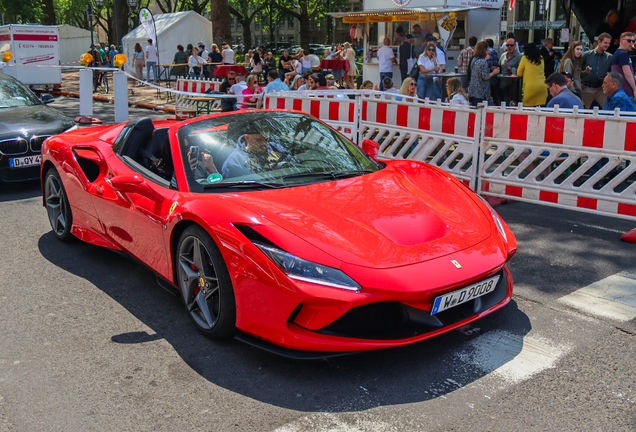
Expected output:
(89, 14)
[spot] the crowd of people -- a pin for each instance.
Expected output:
(584, 78)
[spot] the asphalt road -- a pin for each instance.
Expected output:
(89, 341)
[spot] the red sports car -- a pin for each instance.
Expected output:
(276, 229)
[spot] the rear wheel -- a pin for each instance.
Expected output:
(57, 206)
(205, 284)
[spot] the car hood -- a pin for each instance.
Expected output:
(37, 119)
(403, 214)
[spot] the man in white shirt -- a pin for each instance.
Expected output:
(151, 61)
(203, 53)
(237, 89)
(386, 59)
(314, 59)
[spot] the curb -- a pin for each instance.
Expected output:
(111, 99)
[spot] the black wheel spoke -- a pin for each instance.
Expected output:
(204, 308)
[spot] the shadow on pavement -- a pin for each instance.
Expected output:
(414, 373)
(16, 191)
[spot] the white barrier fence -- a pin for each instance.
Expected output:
(560, 159)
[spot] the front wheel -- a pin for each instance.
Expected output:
(205, 284)
(57, 206)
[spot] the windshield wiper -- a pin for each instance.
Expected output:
(329, 174)
(243, 183)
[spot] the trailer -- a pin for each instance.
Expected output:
(36, 53)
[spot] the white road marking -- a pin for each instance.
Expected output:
(613, 297)
(327, 422)
(511, 357)
(597, 227)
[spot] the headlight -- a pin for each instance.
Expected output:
(307, 271)
(495, 217)
(71, 128)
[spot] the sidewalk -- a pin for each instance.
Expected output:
(148, 96)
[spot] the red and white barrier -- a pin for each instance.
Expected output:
(184, 106)
(566, 160)
(437, 134)
(197, 86)
(341, 114)
(429, 117)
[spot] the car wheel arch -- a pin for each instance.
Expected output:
(46, 166)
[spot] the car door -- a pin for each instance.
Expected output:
(133, 208)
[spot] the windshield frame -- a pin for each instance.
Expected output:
(349, 159)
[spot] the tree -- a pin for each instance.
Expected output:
(306, 10)
(245, 11)
(71, 12)
(219, 14)
(21, 12)
(48, 13)
(271, 19)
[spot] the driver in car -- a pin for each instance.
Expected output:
(254, 153)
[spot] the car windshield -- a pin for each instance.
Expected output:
(252, 150)
(13, 93)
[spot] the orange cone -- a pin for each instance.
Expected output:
(630, 236)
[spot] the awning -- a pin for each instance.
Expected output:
(537, 25)
(402, 14)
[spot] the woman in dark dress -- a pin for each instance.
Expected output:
(214, 56)
(180, 57)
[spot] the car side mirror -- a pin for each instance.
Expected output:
(47, 98)
(371, 148)
(135, 183)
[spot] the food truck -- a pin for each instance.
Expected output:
(36, 53)
(452, 21)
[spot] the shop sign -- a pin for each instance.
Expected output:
(494, 4)
(354, 20)
(380, 18)
(406, 18)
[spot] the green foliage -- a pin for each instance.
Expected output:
(21, 12)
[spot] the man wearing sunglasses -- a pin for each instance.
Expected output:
(228, 103)
(508, 63)
(622, 63)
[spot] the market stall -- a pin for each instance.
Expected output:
(451, 22)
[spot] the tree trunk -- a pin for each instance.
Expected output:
(220, 14)
(247, 33)
(305, 32)
(49, 13)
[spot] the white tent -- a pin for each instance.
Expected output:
(178, 28)
(74, 42)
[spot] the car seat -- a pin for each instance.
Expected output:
(141, 130)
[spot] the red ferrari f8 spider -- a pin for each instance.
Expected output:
(276, 229)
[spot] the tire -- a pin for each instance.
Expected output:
(198, 262)
(57, 206)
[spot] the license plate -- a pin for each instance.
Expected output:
(25, 161)
(463, 295)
